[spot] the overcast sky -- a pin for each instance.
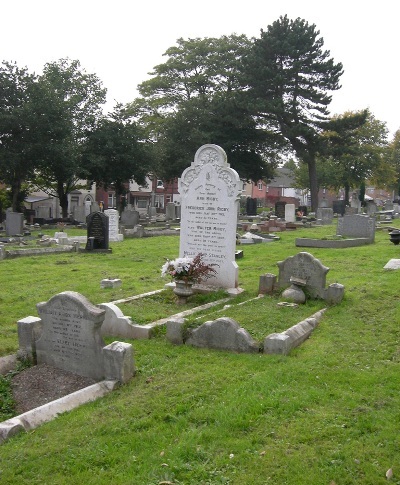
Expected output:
(122, 40)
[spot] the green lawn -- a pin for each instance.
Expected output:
(329, 413)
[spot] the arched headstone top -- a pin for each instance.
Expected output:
(210, 160)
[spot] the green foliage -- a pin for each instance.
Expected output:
(73, 101)
(7, 403)
(114, 153)
(290, 78)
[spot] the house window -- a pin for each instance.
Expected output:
(260, 185)
(159, 201)
(160, 184)
(141, 203)
(111, 200)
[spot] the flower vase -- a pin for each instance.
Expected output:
(183, 289)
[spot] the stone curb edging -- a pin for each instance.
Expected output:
(284, 342)
(35, 417)
(332, 243)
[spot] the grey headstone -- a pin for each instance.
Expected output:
(70, 337)
(325, 215)
(14, 223)
(130, 218)
(305, 267)
(356, 225)
(223, 334)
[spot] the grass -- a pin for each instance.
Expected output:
(327, 414)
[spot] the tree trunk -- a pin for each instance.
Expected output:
(63, 199)
(346, 193)
(312, 174)
(15, 191)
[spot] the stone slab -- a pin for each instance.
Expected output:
(392, 264)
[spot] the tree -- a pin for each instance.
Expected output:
(394, 157)
(357, 151)
(194, 98)
(19, 121)
(289, 77)
(114, 154)
(74, 100)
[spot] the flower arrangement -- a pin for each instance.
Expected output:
(190, 270)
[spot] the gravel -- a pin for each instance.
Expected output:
(42, 384)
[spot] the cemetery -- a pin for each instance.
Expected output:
(259, 347)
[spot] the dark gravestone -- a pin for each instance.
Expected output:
(251, 206)
(339, 207)
(97, 231)
(280, 209)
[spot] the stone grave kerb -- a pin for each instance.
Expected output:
(305, 267)
(210, 192)
(70, 336)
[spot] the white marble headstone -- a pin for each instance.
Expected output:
(210, 191)
(113, 225)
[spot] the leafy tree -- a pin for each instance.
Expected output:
(289, 77)
(194, 98)
(394, 157)
(19, 123)
(74, 100)
(114, 154)
(358, 152)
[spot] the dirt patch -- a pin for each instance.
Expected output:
(42, 384)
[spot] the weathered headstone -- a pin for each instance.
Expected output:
(290, 213)
(97, 231)
(79, 213)
(305, 267)
(356, 225)
(210, 192)
(129, 218)
(325, 215)
(14, 223)
(69, 339)
(280, 209)
(371, 207)
(170, 211)
(113, 225)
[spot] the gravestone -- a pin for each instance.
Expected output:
(290, 213)
(356, 225)
(210, 192)
(97, 231)
(113, 225)
(339, 207)
(325, 215)
(280, 209)
(371, 207)
(389, 205)
(14, 223)
(79, 213)
(170, 211)
(130, 218)
(251, 206)
(305, 267)
(70, 339)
